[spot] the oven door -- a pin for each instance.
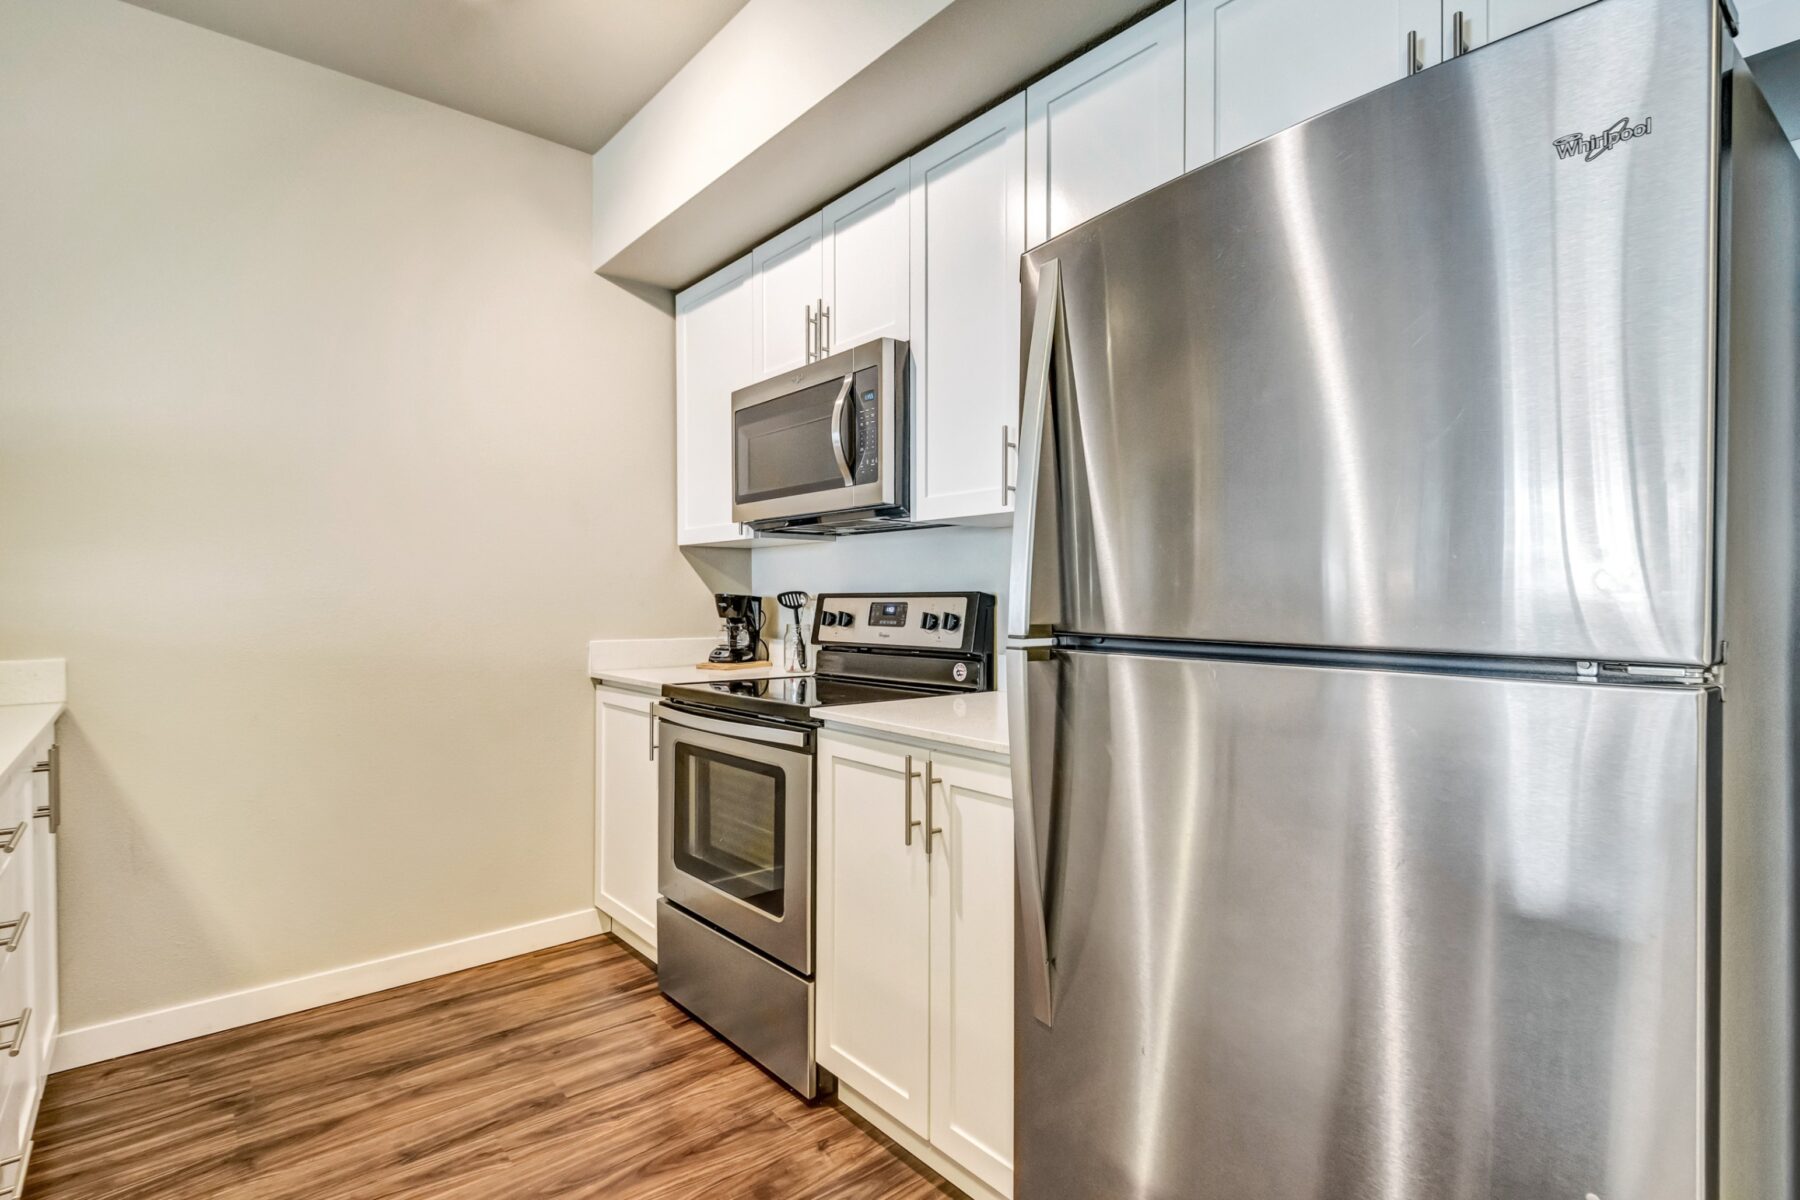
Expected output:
(820, 440)
(736, 829)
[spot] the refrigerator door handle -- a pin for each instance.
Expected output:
(1046, 323)
(1033, 909)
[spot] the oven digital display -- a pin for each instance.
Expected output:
(888, 612)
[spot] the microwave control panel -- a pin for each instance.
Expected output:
(863, 393)
(915, 622)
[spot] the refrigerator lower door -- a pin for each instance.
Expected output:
(1335, 934)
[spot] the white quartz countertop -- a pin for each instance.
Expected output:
(651, 679)
(20, 726)
(972, 722)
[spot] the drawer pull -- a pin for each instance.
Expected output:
(16, 930)
(18, 1025)
(14, 836)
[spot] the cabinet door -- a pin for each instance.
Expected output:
(712, 359)
(625, 826)
(865, 259)
(1502, 18)
(968, 231)
(972, 966)
(1256, 67)
(874, 914)
(1106, 127)
(786, 279)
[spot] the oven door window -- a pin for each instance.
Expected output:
(783, 446)
(730, 821)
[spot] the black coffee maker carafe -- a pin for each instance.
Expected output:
(740, 628)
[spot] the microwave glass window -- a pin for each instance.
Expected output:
(730, 819)
(783, 446)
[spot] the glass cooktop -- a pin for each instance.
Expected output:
(793, 698)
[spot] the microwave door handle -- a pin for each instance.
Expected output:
(837, 433)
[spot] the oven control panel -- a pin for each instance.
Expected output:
(915, 621)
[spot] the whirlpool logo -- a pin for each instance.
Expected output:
(1577, 145)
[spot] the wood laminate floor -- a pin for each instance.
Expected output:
(558, 1074)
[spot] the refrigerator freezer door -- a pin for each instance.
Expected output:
(1336, 934)
(1418, 375)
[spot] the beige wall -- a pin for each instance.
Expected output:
(322, 456)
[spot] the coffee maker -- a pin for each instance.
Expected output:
(740, 628)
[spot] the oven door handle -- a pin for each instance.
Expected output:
(837, 433)
(743, 730)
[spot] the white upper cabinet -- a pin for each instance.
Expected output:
(1255, 67)
(865, 259)
(1106, 127)
(787, 287)
(713, 358)
(1501, 18)
(968, 231)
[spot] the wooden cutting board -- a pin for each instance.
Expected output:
(752, 665)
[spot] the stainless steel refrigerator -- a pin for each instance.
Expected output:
(1401, 648)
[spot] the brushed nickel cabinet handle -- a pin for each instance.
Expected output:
(931, 827)
(52, 767)
(1415, 52)
(910, 823)
(653, 736)
(18, 1025)
(1007, 446)
(824, 328)
(14, 836)
(1461, 35)
(16, 928)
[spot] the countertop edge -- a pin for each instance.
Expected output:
(847, 720)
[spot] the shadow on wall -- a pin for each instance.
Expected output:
(1778, 71)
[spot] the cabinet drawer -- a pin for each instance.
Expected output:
(21, 1074)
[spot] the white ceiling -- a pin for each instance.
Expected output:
(572, 71)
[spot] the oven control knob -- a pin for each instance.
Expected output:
(845, 619)
(827, 618)
(929, 620)
(952, 622)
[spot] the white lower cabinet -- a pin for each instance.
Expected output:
(625, 812)
(29, 1002)
(915, 928)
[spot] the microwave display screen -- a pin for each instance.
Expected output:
(890, 613)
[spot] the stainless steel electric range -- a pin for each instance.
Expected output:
(734, 924)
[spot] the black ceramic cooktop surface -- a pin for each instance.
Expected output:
(792, 699)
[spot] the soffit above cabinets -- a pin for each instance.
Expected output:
(691, 182)
(571, 71)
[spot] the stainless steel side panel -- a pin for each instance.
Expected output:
(1758, 1036)
(751, 1001)
(1405, 376)
(1337, 934)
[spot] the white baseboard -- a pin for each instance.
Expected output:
(197, 1018)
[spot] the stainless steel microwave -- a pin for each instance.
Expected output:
(823, 449)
